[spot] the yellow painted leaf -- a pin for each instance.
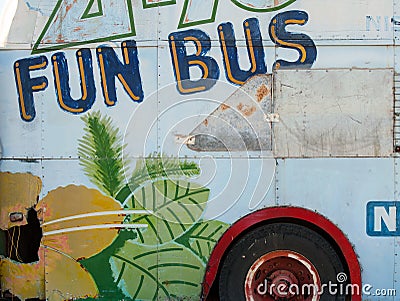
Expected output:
(18, 191)
(67, 212)
(66, 279)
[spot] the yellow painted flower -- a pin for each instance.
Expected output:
(77, 222)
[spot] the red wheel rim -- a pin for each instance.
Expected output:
(282, 275)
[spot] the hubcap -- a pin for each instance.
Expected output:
(282, 275)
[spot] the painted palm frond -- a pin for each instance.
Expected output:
(100, 153)
(161, 166)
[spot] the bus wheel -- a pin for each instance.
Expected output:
(283, 261)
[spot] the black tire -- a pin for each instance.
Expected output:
(273, 237)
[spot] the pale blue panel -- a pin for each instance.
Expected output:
(238, 186)
(340, 189)
(18, 138)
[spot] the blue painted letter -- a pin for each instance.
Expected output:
(127, 72)
(61, 82)
(182, 61)
(27, 85)
(302, 43)
(255, 51)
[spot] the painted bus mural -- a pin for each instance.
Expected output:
(199, 150)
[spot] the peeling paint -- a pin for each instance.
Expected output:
(262, 92)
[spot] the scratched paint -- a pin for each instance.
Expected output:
(353, 124)
(239, 123)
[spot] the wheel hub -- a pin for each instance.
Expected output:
(282, 275)
(281, 282)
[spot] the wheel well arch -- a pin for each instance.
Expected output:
(311, 219)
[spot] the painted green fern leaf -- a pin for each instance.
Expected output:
(157, 166)
(100, 153)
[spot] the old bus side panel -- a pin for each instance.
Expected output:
(167, 258)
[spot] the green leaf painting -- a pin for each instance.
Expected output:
(167, 259)
(100, 153)
(157, 273)
(99, 267)
(161, 166)
(176, 206)
(202, 237)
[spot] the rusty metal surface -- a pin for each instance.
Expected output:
(335, 113)
(239, 123)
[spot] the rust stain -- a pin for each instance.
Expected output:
(262, 91)
(205, 122)
(68, 8)
(250, 4)
(77, 29)
(246, 110)
(224, 107)
(60, 38)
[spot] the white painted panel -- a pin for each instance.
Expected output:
(333, 113)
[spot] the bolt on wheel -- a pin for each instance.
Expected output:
(282, 261)
(282, 275)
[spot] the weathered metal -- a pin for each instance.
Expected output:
(200, 121)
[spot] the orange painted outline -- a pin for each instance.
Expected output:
(82, 72)
(58, 85)
(290, 45)
(203, 65)
(126, 55)
(126, 86)
(21, 96)
(39, 87)
(251, 49)
(109, 102)
(228, 65)
(293, 21)
(178, 75)
(39, 66)
(198, 44)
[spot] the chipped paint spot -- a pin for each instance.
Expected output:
(224, 107)
(262, 91)
(60, 39)
(68, 8)
(246, 109)
(36, 9)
